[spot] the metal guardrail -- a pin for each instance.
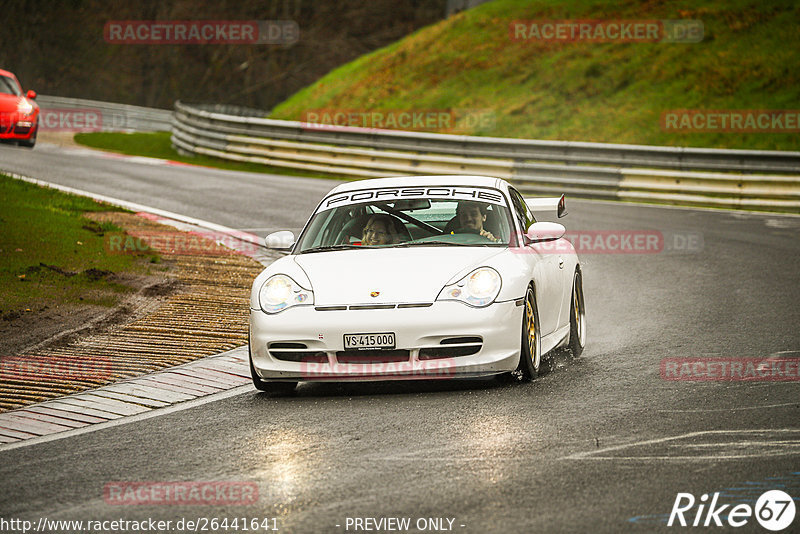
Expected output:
(61, 113)
(689, 176)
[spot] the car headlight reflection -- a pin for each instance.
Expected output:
(24, 108)
(280, 292)
(479, 288)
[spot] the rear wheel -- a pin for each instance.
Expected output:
(276, 389)
(530, 354)
(577, 317)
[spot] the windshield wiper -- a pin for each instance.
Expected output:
(343, 246)
(435, 244)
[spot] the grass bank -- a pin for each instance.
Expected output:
(50, 254)
(614, 92)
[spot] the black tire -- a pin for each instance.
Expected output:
(577, 317)
(530, 353)
(273, 389)
(30, 143)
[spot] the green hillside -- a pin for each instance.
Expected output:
(611, 92)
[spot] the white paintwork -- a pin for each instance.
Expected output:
(539, 231)
(420, 181)
(415, 327)
(400, 274)
(545, 208)
(282, 240)
(416, 275)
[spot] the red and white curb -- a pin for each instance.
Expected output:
(172, 387)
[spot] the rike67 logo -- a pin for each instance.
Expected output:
(774, 510)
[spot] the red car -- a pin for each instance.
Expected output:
(19, 114)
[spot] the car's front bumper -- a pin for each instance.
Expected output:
(13, 127)
(322, 332)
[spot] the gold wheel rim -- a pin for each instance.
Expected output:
(577, 305)
(531, 323)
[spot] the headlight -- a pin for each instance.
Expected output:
(24, 107)
(280, 292)
(479, 288)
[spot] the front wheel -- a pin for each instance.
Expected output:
(31, 141)
(275, 389)
(577, 317)
(530, 353)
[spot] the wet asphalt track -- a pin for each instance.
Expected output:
(598, 444)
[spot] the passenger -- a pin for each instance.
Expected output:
(470, 217)
(379, 230)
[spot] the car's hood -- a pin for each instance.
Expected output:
(398, 275)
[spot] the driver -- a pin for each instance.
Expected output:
(379, 230)
(470, 217)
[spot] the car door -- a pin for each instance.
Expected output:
(545, 265)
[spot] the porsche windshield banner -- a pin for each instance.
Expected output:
(390, 194)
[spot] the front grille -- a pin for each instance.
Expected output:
(373, 356)
(452, 347)
(460, 340)
(22, 129)
(296, 352)
(375, 306)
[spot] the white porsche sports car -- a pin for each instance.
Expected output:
(417, 277)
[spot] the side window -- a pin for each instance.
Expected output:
(521, 210)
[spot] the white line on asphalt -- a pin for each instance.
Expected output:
(245, 237)
(760, 407)
(790, 448)
(27, 420)
(131, 419)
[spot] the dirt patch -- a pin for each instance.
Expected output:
(161, 289)
(196, 308)
(63, 139)
(51, 327)
(23, 330)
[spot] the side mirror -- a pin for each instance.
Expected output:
(31, 94)
(283, 240)
(545, 231)
(547, 209)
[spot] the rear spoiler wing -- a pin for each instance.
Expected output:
(547, 209)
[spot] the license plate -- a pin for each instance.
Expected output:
(384, 340)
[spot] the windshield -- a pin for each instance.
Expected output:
(409, 217)
(9, 86)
